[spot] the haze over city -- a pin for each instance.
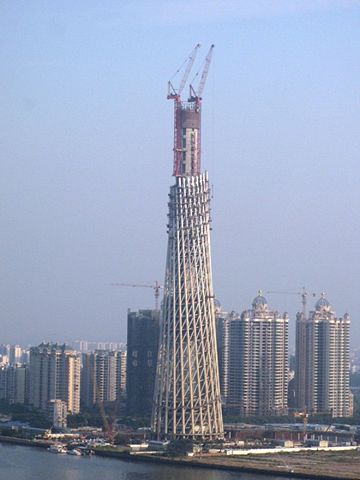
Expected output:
(86, 153)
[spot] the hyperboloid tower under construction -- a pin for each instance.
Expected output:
(187, 391)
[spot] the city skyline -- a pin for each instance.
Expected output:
(86, 151)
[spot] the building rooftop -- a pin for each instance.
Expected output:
(259, 301)
(322, 303)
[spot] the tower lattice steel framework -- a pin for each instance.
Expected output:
(187, 391)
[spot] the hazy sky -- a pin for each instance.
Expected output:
(86, 155)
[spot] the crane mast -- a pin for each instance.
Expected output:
(187, 120)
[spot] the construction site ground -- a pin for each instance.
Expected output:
(337, 465)
(344, 465)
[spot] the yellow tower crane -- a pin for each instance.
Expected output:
(155, 286)
(303, 293)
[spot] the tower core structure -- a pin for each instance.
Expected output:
(187, 390)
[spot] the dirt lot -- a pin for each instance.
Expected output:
(339, 465)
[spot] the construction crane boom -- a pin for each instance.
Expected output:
(188, 68)
(303, 293)
(174, 93)
(205, 71)
(155, 286)
(196, 95)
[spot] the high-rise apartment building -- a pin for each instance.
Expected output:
(322, 372)
(253, 352)
(17, 384)
(101, 379)
(14, 384)
(142, 352)
(57, 410)
(224, 333)
(3, 383)
(4, 355)
(121, 373)
(15, 354)
(55, 375)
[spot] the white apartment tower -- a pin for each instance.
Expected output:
(322, 375)
(15, 354)
(55, 375)
(14, 383)
(102, 377)
(258, 361)
(227, 345)
(58, 413)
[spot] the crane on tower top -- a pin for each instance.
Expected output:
(173, 93)
(155, 286)
(187, 116)
(195, 96)
(303, 293)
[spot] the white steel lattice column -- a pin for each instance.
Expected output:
(187, 390)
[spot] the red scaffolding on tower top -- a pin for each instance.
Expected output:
(187, 118)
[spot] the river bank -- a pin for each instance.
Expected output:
(25, 442)
(307, 465)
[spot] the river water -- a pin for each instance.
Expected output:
(30, 463)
